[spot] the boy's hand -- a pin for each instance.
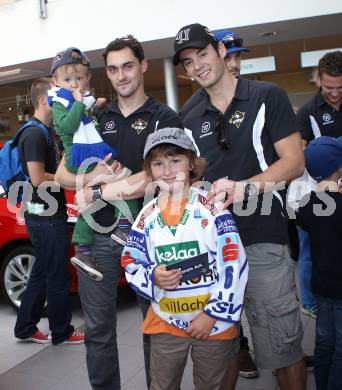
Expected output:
(78, 94)
(168, 280)
(100, 103)
(201, 326)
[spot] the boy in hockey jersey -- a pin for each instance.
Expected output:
(72, 104)
(187, 258)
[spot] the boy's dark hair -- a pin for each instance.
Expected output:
(197, 164)
(330, 64)
(39, 88)
(121, 43)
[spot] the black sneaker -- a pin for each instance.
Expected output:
(87, 265)
(247, 367)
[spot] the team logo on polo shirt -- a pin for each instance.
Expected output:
(326, 117)
(139, 125)
(205, 127)
(237, 118)
(109, 125)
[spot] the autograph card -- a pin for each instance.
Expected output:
(193, 267)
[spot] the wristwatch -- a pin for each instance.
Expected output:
(96, 192)
(250, 191)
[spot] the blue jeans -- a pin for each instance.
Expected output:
(49, 279)
(305, 266)
(328, 345)
(98, 301)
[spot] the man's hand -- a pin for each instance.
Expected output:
(102, 173)
(83, 199)
(100, 103)
(224, 192)
(168, 280)
(201, 326)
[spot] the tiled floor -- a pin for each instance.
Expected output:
(29, 366)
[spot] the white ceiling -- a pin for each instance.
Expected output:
(286, 31)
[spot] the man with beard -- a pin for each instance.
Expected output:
(125, 124)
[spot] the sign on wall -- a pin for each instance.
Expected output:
(311, 58)
(258, 65)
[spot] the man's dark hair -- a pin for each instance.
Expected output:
(331, 64)
(121, 43)
(39, 88)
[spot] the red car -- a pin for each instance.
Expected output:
(16, 254)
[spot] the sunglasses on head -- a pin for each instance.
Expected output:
(230, 42)
(222, 137)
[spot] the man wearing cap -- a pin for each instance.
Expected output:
(321, 115)
(320, 214)
(233, 44)
(246, 131)
(125, 124)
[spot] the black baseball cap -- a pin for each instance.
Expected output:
(71, 55)
(192, 36)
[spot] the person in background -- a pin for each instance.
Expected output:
(321, 115)
(320, 214)
(48, 231)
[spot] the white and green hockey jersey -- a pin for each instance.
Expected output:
(202, 229)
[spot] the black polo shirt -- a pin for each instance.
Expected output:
(317, 117)
(128, 136)
(193, 101)
(259, 115)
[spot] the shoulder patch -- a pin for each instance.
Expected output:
(144, 215)
(203, 200)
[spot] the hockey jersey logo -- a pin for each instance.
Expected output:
(170, 254)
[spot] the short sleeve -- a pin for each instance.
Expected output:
(280, 118)
(169, 118)
(303, 123)
(33, 145)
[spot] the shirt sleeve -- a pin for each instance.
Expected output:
(168, 118)
(67, 122)
(303, 123)
(227, 293)
(280, 119)
(33, 145)
(303, 212)
(139, 266)
(192, 102)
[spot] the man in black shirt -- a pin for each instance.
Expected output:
(125, 124)
(46, 221)
(321, 115)
(233, 44)
(246, 131)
